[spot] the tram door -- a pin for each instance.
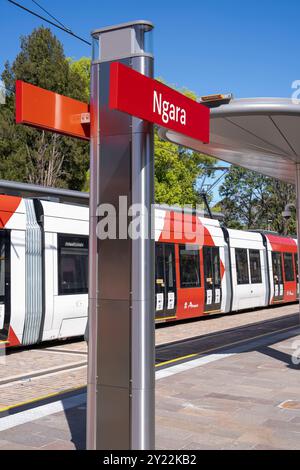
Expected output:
(277, 276)
(4, 284)
(212, 278)
(165, 280)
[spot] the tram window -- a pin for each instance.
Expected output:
(159, 265)
(216, 263)
(242, 269)
(2, 266)
(288, 267)
(255, 267)
(189, 266)
(72, 264)
(277, 266)
(165, 271)
(170, 266)
(296, 263)
(208, 267)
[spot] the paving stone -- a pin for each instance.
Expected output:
(9, 445)
(212, 324)
(196, 446)
(239, 446)
(237, 398)
(167, 443)
(59, 445)
(45, 431)
(283, 426)
(295, 420)
(266, 447)
(232, 403)
(31, 439)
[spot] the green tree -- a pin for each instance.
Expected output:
(82, 67)
(54, 160)
(27, 154)
(177, 171)
(253, 201)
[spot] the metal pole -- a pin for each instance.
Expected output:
(298, 220)
(120, 411)
(93, 326)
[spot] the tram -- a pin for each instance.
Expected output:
(44, 269)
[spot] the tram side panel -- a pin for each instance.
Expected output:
(179, 291)
(296, 270)
(188, 234)
(13, 231)
(50, 276)
(283, 268)
(216, 268)
(190, 290)
(165, 269)
(18, 283)
(249, 270)
(66, 275)
(228, 284)
(191, 273)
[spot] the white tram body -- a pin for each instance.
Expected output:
(44, 269)
(250, 287)
(48, 262)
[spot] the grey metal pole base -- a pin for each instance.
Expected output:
(121, 287)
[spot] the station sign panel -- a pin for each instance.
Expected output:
(51, 111)
(151, 100)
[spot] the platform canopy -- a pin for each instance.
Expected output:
(261, 134)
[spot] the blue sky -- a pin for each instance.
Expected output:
(249, 48)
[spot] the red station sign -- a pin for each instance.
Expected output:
(130, 92)
(148, 99)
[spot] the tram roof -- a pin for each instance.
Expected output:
(261, 134)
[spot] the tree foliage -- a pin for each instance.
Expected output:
(177, 171)
(27, 154)
(251, 201)
(82, 67)
(49, 159)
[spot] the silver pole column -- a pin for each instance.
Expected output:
(120, 411)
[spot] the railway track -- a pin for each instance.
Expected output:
(167, 355)
(187, 349)
(42, 373)
(179, 351)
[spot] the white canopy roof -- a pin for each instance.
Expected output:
(261, 134)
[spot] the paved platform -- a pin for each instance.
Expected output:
(35, 373)
(242, 397)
